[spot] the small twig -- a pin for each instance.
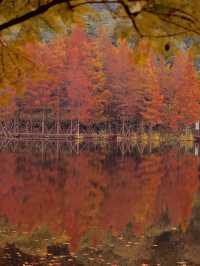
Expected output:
(179, 25)
(164, 35)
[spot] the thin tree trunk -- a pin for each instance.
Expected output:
(4, 131)
(123, 127)
(16, 121)
(43, 121)
(141, 127)
(31, 124)
(150, 132)
(71, 127)
(78, 128)
(58, 122)
(31, 121)
(27, 126)
(141, 130)
(109, 128)
(58, 113)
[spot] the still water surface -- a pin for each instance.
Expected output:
(107, 203)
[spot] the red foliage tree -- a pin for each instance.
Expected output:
(181, 93)
(79, 93)
(98, 82)
(153, 100)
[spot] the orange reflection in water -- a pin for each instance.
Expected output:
(90, 190)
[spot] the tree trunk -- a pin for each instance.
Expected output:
(31, 124)
(123, 127)
(150, 132)
(141, 130)
(78, 129)
(43, 121)
(71, 127)
(31, 121)
(58, 122)
(141, 127)
(4, 131)
(58, 113)
(16, 126)
(109, 128)
(27, 126)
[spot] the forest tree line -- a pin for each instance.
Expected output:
(79, 83)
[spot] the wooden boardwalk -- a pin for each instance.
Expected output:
(52, 136)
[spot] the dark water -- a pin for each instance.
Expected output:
(99, 204)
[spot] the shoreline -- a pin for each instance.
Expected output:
(133, 137)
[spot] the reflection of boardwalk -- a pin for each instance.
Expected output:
(75, 146)
(197, 138)
(41, 147)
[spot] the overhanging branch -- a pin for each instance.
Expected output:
(38, 11)
(145, 6)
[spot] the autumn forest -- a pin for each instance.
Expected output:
(92, 83)
(99, 132)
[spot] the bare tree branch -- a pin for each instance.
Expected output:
(167, 35)
(131, 16)
(180, 26)
(40, 10)
(95, 2)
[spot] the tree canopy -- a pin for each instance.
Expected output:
(167, 25)
(87, 80)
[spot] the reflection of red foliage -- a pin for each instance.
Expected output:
(132, 194)
(82, 194)
(178, 187)
(29, 201)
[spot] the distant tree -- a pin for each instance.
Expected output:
(7, 108)
(79, 93)
(181, 94)
(163, 23)
(124, 82)
(153, 100)
(96, 74)
(90, 81)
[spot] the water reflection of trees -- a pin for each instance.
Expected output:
(89, 193)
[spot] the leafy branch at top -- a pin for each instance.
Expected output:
(175, 15)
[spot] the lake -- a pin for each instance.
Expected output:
(99, 203)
